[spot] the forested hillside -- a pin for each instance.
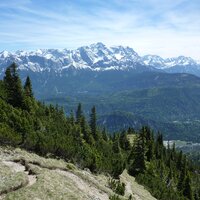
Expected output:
(174, 110)
(45, 130)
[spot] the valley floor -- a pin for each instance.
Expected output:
(27, 176)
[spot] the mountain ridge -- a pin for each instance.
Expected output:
(96, 57)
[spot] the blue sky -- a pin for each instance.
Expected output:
(167, 28)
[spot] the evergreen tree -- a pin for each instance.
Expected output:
(71, 118)
(85, 129)
(137, 163)
(130, 131)
(182, 177)
(18, 96)
(93, 123)
(150, 148)
(13, 86)
(104, 134)
(160, 139)
(79, 113)
(159, 146)
(170, 176)
(28, 88)
(124, 142)
(8, 82)
(116, 147)
(187, 190)
(179, 160)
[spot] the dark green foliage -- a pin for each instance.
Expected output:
(182, 176)
(13, 86)
(104, 134)
(79, 113)
(93, 123)
(137, 157)
(117, 186)
(114, 197)
(169, 109)
(124, 142)
(165, 172)
(187, 190)
(28, 87)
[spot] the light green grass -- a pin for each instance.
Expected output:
(57, 180)
(10, 180)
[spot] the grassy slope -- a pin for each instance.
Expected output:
(57, 179)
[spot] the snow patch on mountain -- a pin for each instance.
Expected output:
(160, 63)
(4, 54)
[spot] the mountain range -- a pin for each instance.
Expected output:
(96, 57)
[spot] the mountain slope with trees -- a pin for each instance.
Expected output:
(44, 129)
(174, 110)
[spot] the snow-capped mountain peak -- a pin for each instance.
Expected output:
(153, 60)
(4, 54)
(181, 60)
(161, 63)
(96, 57)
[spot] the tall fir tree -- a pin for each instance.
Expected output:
(187, 189)
(182, 176)
(13, 86)
(85, 129)
(79, 113)
(124, 142)
(93, 123)
(28, 88)
(137, 162)
(8, 82)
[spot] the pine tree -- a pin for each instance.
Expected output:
(116, 147)
(182, 176)
(13, 86)
(28, 95)
(93, 123)
(187, 190)
(170, 175)
(85, 129)
(18, 96)
(150, 148)
(137, 164)
(159, 146)
(28, 88)
(179, 160)
(8, 81)
(104, 134)
(124, 142)
(71, 118)
(79, 113)
(160, 139)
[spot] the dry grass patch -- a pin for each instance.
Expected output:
(137, 191)
(57, 184)
(10, 180)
